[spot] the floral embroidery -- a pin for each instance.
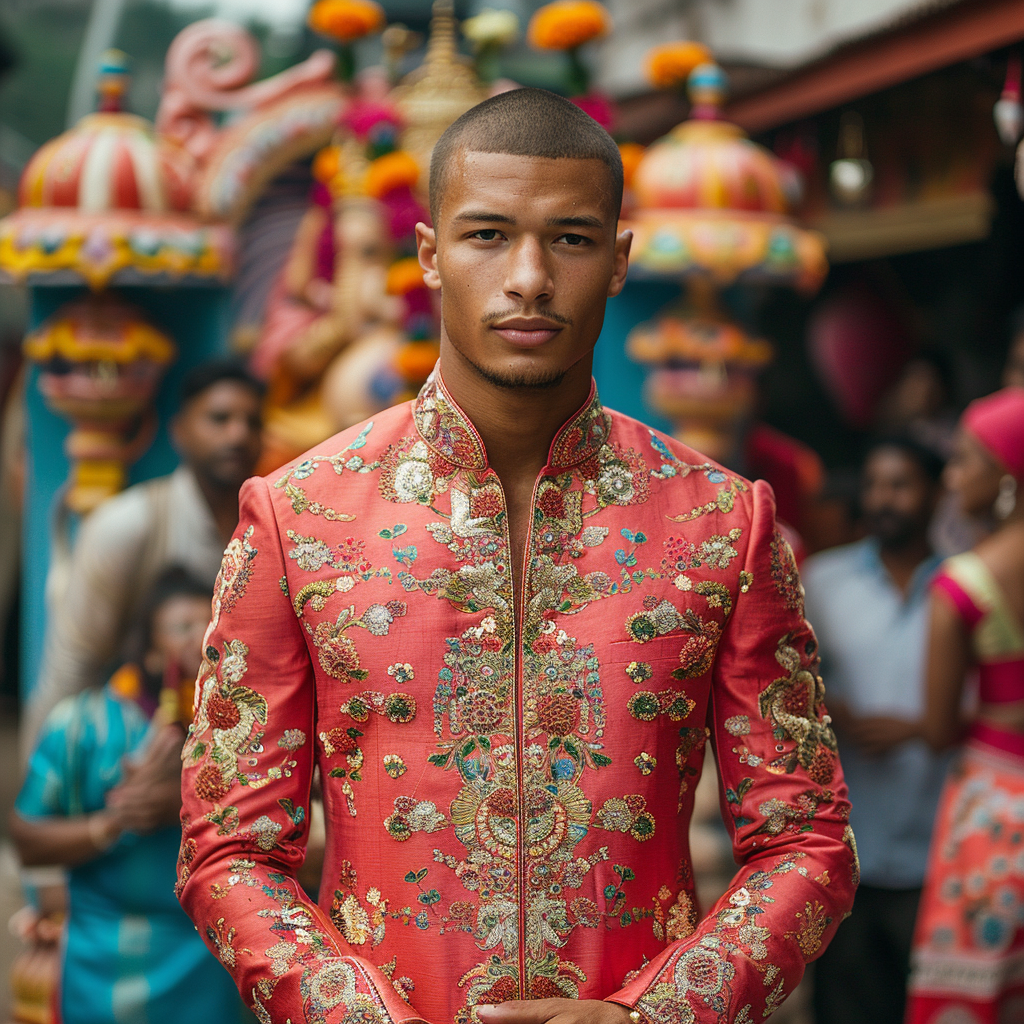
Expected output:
(814, 922)
(793, 704)
(414, 816)
(785, 574)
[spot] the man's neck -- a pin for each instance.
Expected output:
(901, 561)
(223, 503)
(517, 425)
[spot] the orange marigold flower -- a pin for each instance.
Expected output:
(566, 24)
(346, 20)
(670, 65)
(415, 359)
(391, 171)
(632, 153)
(327, 164)
(404, 276)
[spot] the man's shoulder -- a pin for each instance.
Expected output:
(354, 448)
(835, 564)
(128, 514)
(677, 460)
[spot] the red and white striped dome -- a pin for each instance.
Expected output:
(107, 162)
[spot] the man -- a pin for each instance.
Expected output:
(869, 605)
(183, 519)
(498, 618)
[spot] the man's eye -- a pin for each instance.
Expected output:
(575, 239)
(486, 234)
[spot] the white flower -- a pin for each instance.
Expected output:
(740, 898)
(491, 28)
(414, 481)
(377, 619)
(615, 484)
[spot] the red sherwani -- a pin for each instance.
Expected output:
(508, 777)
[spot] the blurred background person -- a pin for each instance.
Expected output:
(130, 953)
(184, 519)
(868, 604)
(969, 940)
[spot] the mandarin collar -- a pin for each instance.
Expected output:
(449, 431)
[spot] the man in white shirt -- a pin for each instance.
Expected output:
(868, 603)
(183, 519)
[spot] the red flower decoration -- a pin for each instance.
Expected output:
(222, 713)
(210, 784)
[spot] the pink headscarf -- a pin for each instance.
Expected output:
(997, 421)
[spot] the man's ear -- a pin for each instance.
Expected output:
(623, 241)
(426, 253)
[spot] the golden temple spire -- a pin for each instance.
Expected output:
(440, 90)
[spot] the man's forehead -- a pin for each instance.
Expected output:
(508, 178)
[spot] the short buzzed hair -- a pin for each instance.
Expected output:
(526, 122)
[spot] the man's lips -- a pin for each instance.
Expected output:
(527, 332)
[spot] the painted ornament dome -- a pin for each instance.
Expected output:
(109, 200)
(711, 202)
(108, 161)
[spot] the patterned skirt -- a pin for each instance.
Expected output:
(968, 954)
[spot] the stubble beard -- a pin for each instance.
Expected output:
(520, 381)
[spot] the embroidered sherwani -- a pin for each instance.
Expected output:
(508, 777)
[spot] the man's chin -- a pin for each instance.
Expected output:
(515, 379)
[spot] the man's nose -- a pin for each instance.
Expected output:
(528, 276)
(239, 430)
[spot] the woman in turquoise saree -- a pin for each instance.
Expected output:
(130, 954)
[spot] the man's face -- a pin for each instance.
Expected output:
(177, 636)
(525, 254)
(897, 497)
(218, 433)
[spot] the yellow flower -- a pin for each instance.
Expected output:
(669, 65)
(415, 360)
(403, 276)
(346, 20)
(566, 24)
(391, 171)
(632, 153)
(327, 164)
(491, 28)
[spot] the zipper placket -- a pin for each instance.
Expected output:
(518, 614)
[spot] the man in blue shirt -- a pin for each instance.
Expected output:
(868, 603)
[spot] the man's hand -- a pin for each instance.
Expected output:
(878, 734)
(149, 794)
(555, 1011)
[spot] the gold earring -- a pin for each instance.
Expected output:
(1007, 500)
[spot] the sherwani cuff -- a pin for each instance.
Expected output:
(633, 991)
(398, 1010)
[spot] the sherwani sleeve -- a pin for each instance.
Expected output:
(783, 797)
(245, 799)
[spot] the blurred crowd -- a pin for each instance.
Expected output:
(920, 621)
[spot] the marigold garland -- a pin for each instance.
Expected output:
(391, 171)
(632, 153)
(669, 65)
(567, 24)
(327, 164)
(415, 359)
(403, 276)
(346, 20)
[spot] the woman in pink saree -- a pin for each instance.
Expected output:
(968, 957)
